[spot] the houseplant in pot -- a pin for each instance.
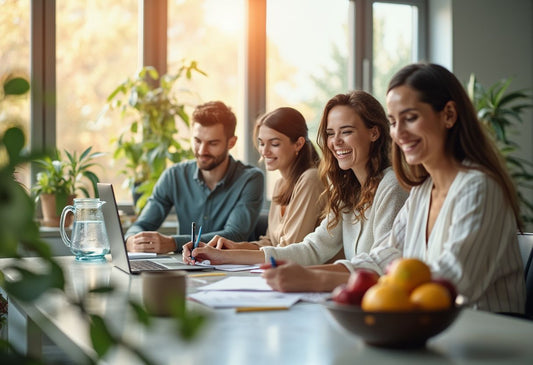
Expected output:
(61, 179)
(154, 109)
(501, 112)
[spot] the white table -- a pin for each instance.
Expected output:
(305, 334)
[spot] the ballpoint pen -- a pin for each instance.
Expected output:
(197, 240)
(273, 262)
(193, 232)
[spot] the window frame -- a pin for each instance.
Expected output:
(153, 51)
(361, 25)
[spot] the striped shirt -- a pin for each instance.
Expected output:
(473, 242)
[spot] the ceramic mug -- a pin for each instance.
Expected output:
(162, 290)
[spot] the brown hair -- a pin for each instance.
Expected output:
(344, 192)
(466, 140)
(291, 123)
(214, 112)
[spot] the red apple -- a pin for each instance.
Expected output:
(359, 282)
(340, 294)
(448, 285)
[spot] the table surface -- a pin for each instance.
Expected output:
(304, 334)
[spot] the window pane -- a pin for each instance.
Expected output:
(211, 33)
(394, 44)
(307, 57)
(15, 60)
(96, 49)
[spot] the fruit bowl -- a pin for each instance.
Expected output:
(392, 329)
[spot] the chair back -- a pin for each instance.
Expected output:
(525, 241)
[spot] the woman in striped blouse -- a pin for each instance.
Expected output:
(462, 213)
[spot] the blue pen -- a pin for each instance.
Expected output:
(197, 240)
(273, 262)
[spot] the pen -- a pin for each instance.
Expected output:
(197, 240)
(273, 262)
(193, 232)
(207, 274)
(259, 309)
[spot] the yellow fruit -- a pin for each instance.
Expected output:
(383, 279)
(386, 298)
(431, 296)
(409, 273)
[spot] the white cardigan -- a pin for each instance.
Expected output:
(321, 245)
(473, 242)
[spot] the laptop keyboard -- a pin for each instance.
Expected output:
(143, 265)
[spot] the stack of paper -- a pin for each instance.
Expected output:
(248, 291)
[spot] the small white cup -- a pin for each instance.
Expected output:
(162, 289)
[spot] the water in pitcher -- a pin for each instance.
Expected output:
(89, 240)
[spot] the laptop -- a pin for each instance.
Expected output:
(119, 253)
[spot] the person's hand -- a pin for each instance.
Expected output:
(150, 242)
(186, 253)
(290, 277)
(224, 243)
(206, 252)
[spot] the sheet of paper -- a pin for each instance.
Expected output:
(228, 267)
(230, 299)
(253, 283)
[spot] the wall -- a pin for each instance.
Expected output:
(491, 38)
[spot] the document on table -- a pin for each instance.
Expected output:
(249, 283)
(249, 291)
(236, 298)
(227, 267)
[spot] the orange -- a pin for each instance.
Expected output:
(384, 297)
(409, 273)
(431, 296)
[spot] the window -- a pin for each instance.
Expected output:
(211, 33)
(314, 49)
(307, 58)
(96, 49)
(15, 60)
(394, 43)
(388, 35)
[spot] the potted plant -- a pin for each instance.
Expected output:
(60, 179)
(19, 229)
(150, 141)
(500, 110)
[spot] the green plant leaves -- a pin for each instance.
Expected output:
(101, 338)
(500, 110)
(150, 143)
(16, 86)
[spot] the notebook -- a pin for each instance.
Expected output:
(119, 253)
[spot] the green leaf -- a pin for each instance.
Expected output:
(16, 86)
(101, 337)
(141, 314)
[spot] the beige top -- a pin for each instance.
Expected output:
(294, 221)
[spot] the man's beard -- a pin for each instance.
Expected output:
(212, 163)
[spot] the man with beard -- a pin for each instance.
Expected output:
(222, 195)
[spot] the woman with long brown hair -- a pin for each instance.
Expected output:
(462, 214)
(281, 137)
(362, 193)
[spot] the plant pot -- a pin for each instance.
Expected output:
(50, 211)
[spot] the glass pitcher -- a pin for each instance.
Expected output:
(89, 240)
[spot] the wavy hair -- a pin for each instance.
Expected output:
(344, 192)
(215, 112)
(466, 140)
(290, 122)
